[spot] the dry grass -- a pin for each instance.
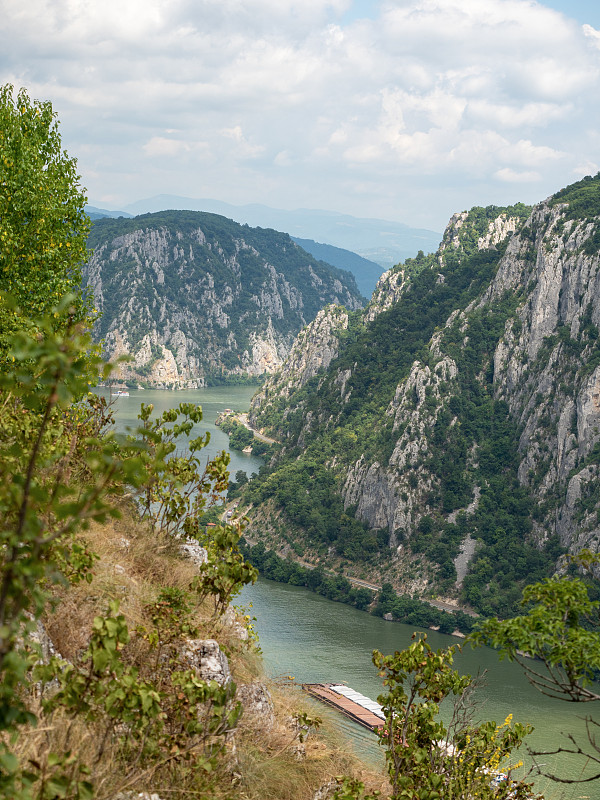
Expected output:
(272, 766)
(133, 566)
(86, 746)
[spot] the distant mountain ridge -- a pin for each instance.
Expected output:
(195, 298)
(99, 213)
(382, 241)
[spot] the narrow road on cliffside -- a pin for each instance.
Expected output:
(243, 420)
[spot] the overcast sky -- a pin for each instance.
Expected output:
(402, 109)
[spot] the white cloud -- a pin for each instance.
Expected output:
(592, 33)
(283, 159)
(214, 97)
(512, 176)
(243, 148)
(526, 153)
(505, 116)
(587, 168)
(160, 146)
(167, 147)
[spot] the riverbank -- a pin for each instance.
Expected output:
(383, 603)
(242, 436)
(307, 636)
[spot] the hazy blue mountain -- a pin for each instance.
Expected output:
(382, 241)
(100, 213)
(366, 272)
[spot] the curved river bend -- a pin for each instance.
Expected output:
(314, 639)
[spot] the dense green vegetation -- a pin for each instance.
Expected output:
(307, 492)
(333, 587)
(473, 442)
(42, 245)
(583, 198)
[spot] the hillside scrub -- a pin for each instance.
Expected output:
(111, 680)
(116, 704)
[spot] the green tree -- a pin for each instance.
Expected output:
(43, 225)
(426, 758)
(60, 470)
(557, 644)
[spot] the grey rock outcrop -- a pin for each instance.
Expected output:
(326, 791)
(257, 703)
(207, 659)
(194, 551)
(313, 350)
(41, 639)
(137, 796)
(388, 290)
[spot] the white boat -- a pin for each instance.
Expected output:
(121, 393)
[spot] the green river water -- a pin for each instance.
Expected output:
(313, 639)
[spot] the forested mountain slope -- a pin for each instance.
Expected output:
(451, 437)
(195, 297)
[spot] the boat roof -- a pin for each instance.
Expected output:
(358, 698)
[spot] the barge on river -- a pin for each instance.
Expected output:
(354, 705)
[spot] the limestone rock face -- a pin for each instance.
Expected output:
(384, 495)
(545, 370)
(258, 704)
(190, 295)
(312, 352)
(388, 290)
(498, 230)
(541, 368)
(206, 657)
(42, 641)
(266, 354)
(451, 236)
(542, 282)
(194, 551)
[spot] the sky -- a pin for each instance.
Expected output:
(407, 110)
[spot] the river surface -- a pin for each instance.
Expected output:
(314, 639)
(213, 400)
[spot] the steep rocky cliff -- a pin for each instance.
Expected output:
(193, 297)
(461, 416)
(314, 349)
